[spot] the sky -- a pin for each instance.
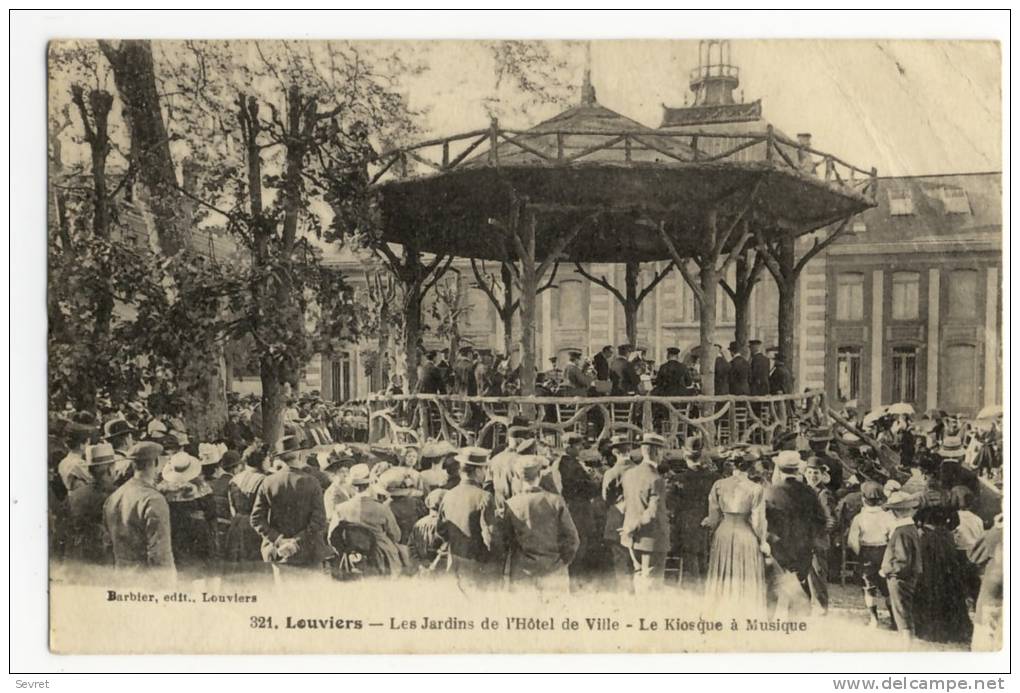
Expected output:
(904, 107)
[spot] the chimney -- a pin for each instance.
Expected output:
(803, 157)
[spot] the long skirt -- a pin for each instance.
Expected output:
(736, 567)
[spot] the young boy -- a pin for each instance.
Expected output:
(901, 564)
(868, 537)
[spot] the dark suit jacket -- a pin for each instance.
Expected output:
(740, 376)
(431, 382)
(795, 519)
(673, 380)
(464, 377)
(289, 504)
(759, 380)
(624, 376)
(780, 381)
(467, 522)
(601, 366)
(722, 376)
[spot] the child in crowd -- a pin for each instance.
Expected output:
(868, 537)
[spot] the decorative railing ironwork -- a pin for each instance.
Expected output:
(553, 148)
(462, 420)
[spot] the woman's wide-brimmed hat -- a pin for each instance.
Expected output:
(181, 468)
(898, 500)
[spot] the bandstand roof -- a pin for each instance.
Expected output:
(440, 195)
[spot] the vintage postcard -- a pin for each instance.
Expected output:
(520, 346)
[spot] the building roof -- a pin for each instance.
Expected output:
(928, 212)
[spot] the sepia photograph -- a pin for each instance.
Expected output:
(514, 346)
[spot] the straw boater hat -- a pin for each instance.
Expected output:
(473, 456)
(360, 476)
(952, 447)
(788, 461)
(899, 500)
(101, 453)
(181, 468)
(437, 448)
(653, 439)
(618, 441)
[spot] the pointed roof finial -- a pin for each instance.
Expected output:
(587, 90)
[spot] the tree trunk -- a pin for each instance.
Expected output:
(529, 296)
(741, 317)
(787, 303)
(412, 332)
(272, 400)
(787, 324)
(630, 303)
(709, 287)
(507, 312)
(135, 77)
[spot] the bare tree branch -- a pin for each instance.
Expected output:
(659, 276)
(819, 246)
(680, 262)
(600, 281)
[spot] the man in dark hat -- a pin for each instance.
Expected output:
(501, 466)
(87, 539)
(289, 513)
(740, 372)
(780, 378)
(690, 506)
(623, 373)
(601, 362)
(760, 367)
(794, 518)
(464, 373)
(540, 532)
(722, 372)
(121, 435)
(430, 379)
(612, 493)
(578, 490)
(467, 522)
(645, 528)
(816, 474)
(137, 517)
(575, 382)
(673, 378)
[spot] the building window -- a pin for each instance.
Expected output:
(570, 303)
(962, 294)
(858, 227)
(850, 296)
(904, 374)
(905, 287)
(900, 203)
(848, 373)
(955, 200)
(342, 377)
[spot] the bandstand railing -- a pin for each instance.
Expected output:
(566, 146)
(463, 420)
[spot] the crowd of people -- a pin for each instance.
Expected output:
(618, 371)
(755, 529)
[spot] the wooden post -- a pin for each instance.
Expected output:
(559, 146)
(709, 279)
(769, 143)
(529, 301)
(446, 153)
